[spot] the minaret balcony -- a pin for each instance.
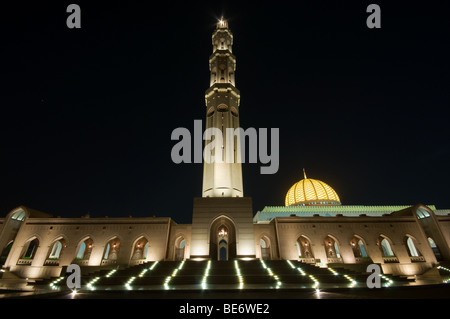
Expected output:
(223, 87)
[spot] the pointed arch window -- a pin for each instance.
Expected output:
(140, 249)
(303, 246)
(412, 250)
(146, 250)
(81, 250)
(56, 250)
(30, 249)
(332, 249)
(362, 249)
(435, 248)
(386, 248)
(108, 248)
(112, 249)
(84, 252)
(336, 248)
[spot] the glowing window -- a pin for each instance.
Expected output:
(298, 249)
(362, 249)
(56, 250)
(106, 255)
(338, 255)
(20, 215)
(81, 250)
(386, 248)
(411, 247)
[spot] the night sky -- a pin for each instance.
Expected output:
(86, 115)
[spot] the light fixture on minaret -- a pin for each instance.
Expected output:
(222, 177)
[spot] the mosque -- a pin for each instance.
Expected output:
(312, 228)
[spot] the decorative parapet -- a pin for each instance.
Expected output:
(334, 260)
(81, 262)
(270, 212)
(106, 262)
(363, 260)
(24, 262)
(51, 262)
(135, 262)
(415, 259)
(307, 260)
(441, 212)
(388, 260)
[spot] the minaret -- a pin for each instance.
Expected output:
(222, 177)
(222, 219)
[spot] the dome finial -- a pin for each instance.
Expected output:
(304, 174)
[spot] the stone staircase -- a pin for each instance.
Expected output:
(234, 274)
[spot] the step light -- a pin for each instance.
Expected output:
(111, 273)
(129, 282)
(350, 279)
(389, 281)
(55, 282)
(174, 273)
(316, 282)
(90, 284)
(271, 274)
(206, 274)
(238, 272)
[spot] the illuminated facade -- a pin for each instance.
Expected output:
(313, 226)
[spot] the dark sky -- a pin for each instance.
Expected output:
(87, 114)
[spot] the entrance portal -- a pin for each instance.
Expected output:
(222, 244)
(222, 238)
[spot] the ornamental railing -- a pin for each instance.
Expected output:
(363, 260)
(106, 262)
(24, 262)
(307, 260)
(391, 259)
(334, 260)
(51, 262)
(416, 259)
(135, 262)
(81, 262)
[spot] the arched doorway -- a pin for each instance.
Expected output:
(359, 250)
(264, 242)
(304, 251)
(332, 250)
(222, 238)
(111, 253)
(140, 249)
(180, 245)
(222, 242)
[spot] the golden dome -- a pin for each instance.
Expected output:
(310, 191)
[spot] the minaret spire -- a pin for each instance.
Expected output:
(222, 178)
(222, 23)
